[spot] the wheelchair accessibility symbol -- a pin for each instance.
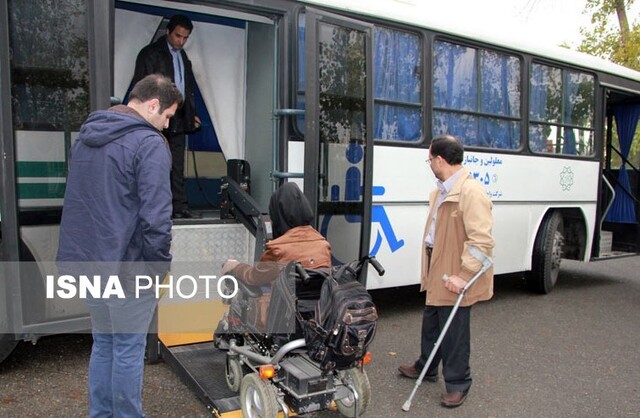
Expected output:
(353, 192)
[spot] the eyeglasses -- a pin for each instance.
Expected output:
(428, 160)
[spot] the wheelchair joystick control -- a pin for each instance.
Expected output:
(302, 273)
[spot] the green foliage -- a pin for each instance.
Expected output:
(605, 43)
(617, 43)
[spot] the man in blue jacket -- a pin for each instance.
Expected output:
(117, 220)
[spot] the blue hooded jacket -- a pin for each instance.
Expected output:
(117, 204)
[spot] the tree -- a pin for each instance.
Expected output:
(619, 44)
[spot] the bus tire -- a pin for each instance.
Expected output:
(547, 254)
(7, 344)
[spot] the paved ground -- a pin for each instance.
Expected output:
(572, 353)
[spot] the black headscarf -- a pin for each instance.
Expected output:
(288, 209)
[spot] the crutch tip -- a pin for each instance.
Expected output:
(406, 406)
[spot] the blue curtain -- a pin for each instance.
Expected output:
(538, 108)
(571, 87)
(205, 138)
(455, 81)
(397, 66)
(569, 146)
(494, 99)
(498, 73)
(623, 209)
(455, 87)
(560, 97)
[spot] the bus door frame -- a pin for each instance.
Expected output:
(11, 314)
(315, 18)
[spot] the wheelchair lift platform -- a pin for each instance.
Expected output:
(201, 367)
(185, 327)
(185, 330)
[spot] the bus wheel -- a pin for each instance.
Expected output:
(7, 344)
(547, 254)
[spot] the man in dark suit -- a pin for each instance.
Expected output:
(166, 57)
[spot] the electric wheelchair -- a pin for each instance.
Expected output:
(280, 357)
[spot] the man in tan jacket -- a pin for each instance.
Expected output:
(459, 217)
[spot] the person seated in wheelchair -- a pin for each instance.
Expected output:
(294, 239)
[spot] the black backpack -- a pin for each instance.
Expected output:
(344, 323)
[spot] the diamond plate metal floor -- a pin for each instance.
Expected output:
(199, 247)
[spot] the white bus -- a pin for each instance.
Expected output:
(342, 96)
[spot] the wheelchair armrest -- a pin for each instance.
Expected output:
(249, 290)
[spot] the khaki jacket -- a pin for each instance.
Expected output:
(464, 219)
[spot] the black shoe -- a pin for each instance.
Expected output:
(186, 214)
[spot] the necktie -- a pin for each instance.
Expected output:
(178, 63)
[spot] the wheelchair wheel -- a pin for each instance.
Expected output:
(347, 405)
(234, 373)
(258, 398)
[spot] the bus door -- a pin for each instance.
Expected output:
(620, 201)
(338, 129)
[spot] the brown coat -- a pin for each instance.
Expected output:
(464, 219)
(302, 243)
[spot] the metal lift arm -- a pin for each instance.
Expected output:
(237, 203)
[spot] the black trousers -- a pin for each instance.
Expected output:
(454, 350)
(177, 146)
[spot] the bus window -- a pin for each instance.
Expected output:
(50, 93)
(49, 68)
(477, 96)
(561, 109)
(397, 86)
(398, 112)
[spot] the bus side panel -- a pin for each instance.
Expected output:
(42, 167)
(522, 188)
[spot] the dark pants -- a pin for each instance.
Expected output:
(177, 146)
(455, 347)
